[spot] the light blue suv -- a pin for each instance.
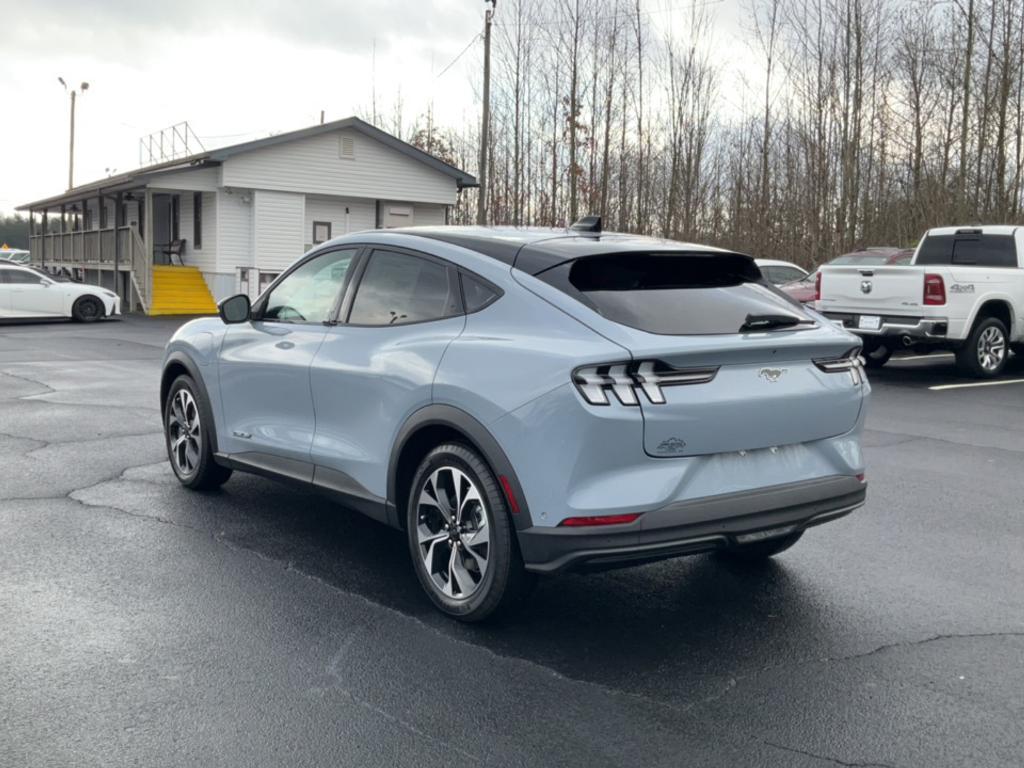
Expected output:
(525, 401)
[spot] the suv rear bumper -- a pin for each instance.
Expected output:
(922, 328)
(690, 527)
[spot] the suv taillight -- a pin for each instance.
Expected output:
(851, 363)
(626, 380)
(934, 290)
(817, 285)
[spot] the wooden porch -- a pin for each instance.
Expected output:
(119, 250)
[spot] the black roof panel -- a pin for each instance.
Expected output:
(534, 249)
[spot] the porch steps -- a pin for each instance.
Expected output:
(180, 291)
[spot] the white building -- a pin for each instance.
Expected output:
(239, 215)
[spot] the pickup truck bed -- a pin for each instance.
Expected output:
(961, 283)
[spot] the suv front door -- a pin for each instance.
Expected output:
(264, 365)
(376, 367)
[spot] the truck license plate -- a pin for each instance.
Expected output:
(869, 322)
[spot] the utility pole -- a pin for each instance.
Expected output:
(481, 202)
(71, 141)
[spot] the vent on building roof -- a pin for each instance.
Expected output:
(348, 147)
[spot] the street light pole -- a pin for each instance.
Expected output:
(71, 140)
(481, 201)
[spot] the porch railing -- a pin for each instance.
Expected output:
(96, 249)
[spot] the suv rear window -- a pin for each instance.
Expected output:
(674, 293)
(971, 249)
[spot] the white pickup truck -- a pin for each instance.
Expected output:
(963, 291)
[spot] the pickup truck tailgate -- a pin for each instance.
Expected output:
(882, 290)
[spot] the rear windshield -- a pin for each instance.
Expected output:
(973, 249)
(677, 294)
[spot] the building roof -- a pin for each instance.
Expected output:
(214, 157)
(534, 249)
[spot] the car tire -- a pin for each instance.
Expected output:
(760, 550)
(87, 309)
(472, 571)
(985, 351)
(188, 424)
(876, 355)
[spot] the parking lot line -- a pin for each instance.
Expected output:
(976, 384)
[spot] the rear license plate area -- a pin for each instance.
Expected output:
(869, 322)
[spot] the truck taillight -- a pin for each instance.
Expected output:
(934, 290)
(817, 285)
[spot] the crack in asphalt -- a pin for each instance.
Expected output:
(925, 641)
(826, 758)
(334, 670)
(50, 390)
(85, 441)
(963, 444)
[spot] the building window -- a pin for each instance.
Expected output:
(197, 221)
(243, 281)
(321, 232)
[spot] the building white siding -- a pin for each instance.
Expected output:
(198, 180)
(314, 165)
(277, 228)
(205, 257)
(344, 216)
(234, 230)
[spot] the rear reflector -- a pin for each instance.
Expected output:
(506, 486)
(861, 477)
(599, 520)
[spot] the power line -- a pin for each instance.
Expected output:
(461, 54)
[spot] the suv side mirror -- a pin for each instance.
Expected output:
(235, 309)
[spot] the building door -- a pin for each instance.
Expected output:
(166, 220)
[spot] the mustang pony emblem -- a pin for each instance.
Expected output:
(771, 375)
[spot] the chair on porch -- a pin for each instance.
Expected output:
(175, 248)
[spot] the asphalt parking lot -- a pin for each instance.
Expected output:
(142, 624)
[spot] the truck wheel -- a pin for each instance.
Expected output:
(984, 353)
(877, 355)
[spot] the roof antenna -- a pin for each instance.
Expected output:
(591, 224)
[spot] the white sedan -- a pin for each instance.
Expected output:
(780, 272)
(29, 292)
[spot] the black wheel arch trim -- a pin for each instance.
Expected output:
(180, 358)
(481, 438)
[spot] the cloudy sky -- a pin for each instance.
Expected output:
(234, 70)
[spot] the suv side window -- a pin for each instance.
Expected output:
(398, 288)
(309, 293)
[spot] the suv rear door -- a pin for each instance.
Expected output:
(377, 366)
(685, 314)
